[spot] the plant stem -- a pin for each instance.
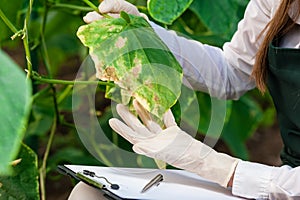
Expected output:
(65, 82)
(27, 51)
(45, 158)
(7, 22)
(70, 6)
(95, 8)
(44, 50)
(91, 5)
(56, 116)
(63, 95)
(25, 39)
(43, 169)
(40, 93)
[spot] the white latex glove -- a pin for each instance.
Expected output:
(172, 145)
(113, 8)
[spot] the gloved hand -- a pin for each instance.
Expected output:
(113, 8)
(172, 145)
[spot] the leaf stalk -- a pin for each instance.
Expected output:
(95, 8)
(8, 22)
(66, 82)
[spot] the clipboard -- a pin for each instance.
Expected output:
(176, 184)
(69, 172)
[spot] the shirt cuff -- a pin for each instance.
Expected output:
(252, 180)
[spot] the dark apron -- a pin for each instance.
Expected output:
(283, 81)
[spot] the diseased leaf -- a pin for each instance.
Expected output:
(129, 53)
(167, 11)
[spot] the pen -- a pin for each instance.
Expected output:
(153, 182)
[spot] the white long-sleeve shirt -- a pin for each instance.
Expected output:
(226, 74)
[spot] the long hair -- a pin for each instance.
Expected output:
(277, 27)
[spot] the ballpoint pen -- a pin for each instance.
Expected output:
(153, 182)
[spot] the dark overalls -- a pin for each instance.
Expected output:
(283, 81)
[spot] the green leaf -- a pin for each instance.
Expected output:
(203, 113)
(192, 27)
(125, 16)
(232, 121)
(244, 119)
(134, 57)
(15, 103)
(23, 183)
(220, 16)
(167, 11)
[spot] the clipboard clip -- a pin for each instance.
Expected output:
(153, 182)
(93, 174)
(83, 176)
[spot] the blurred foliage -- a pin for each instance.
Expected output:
(44, 32)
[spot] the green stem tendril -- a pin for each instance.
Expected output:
(73, 7)
(95, 8)
(26, 40)
(66, 82)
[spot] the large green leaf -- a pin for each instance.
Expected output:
(232, 121)
(127, 51)
(244, 119)
(203, 113)
(15, 104)
(192, 27)
(23, 183)
(167, 11)
(219, 16)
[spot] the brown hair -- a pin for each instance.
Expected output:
(277, 27)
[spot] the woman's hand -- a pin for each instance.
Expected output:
(172, 145)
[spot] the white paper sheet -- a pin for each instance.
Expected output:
(177, 184)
